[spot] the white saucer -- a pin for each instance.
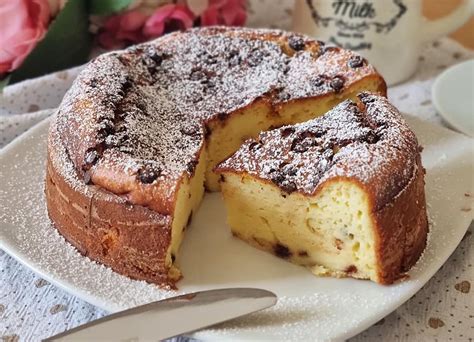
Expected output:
(453, 96)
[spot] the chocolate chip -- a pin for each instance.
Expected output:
(148, 174)
(301, 144)
(288, 169)
(303, 254)
(127, 83)
(197, 75)
(234, 58)
(255, 58)
(372, 137)
(356, 62)
(351, 269)
(190, 130)
(296, 43)
(288, 186)
(285, 132)
(141, 106)
(156, 57)
(254, 145)
(277, 177)
(282, 251)
(211, 59)
(106, 127)
(366, 98)
(337, 83)
(191, 166)
(317, 81)
(221, 116)
(90, 158)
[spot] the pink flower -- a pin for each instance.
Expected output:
(224, 12)
(23, 24)
(122, 29)
(168, 18)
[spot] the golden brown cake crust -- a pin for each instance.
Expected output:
(135, 122)
(368, 143)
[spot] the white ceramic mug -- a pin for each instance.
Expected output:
(389, 33)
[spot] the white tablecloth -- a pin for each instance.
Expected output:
(31, 308)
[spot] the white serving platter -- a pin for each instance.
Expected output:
(309, 308)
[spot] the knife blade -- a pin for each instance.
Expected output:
(173, 316)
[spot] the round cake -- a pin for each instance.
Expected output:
(134, 142)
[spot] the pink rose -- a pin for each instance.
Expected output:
(224, 12)
(168, 18)
(122, 29)
(23, 24)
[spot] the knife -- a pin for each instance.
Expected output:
(173, 316)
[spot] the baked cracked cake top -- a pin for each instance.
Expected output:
(140, 116)
(368, 141)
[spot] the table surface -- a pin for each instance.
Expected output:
(31, 308)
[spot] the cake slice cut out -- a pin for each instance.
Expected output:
(342, 194)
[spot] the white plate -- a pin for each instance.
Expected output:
(308, 307)
(453, 96)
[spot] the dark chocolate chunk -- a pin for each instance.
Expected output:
(288, 186)
(337, 83)
(302, 144)
(303, 254)
(277, 177)
(255, 58)
(356, 61)
(234, 58)
(254, 145)
(191, 166)
(221, 116)
(317, 81)
(351, 269)
(156, 57)
(106, 127)
(296, 43)
(282, 251)
(148, 174)
(366, 97)
(197, 75)
(288, 169)
(285, 132)
(127, 83)
(90, 158)
(190, 130)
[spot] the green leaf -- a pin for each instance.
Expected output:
(3, 83)
(67, 43)
(106, 7)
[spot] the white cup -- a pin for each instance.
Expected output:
(389, 33)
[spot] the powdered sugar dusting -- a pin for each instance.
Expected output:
(149, 105)
(373, 145)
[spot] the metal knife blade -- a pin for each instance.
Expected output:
(173, 316)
